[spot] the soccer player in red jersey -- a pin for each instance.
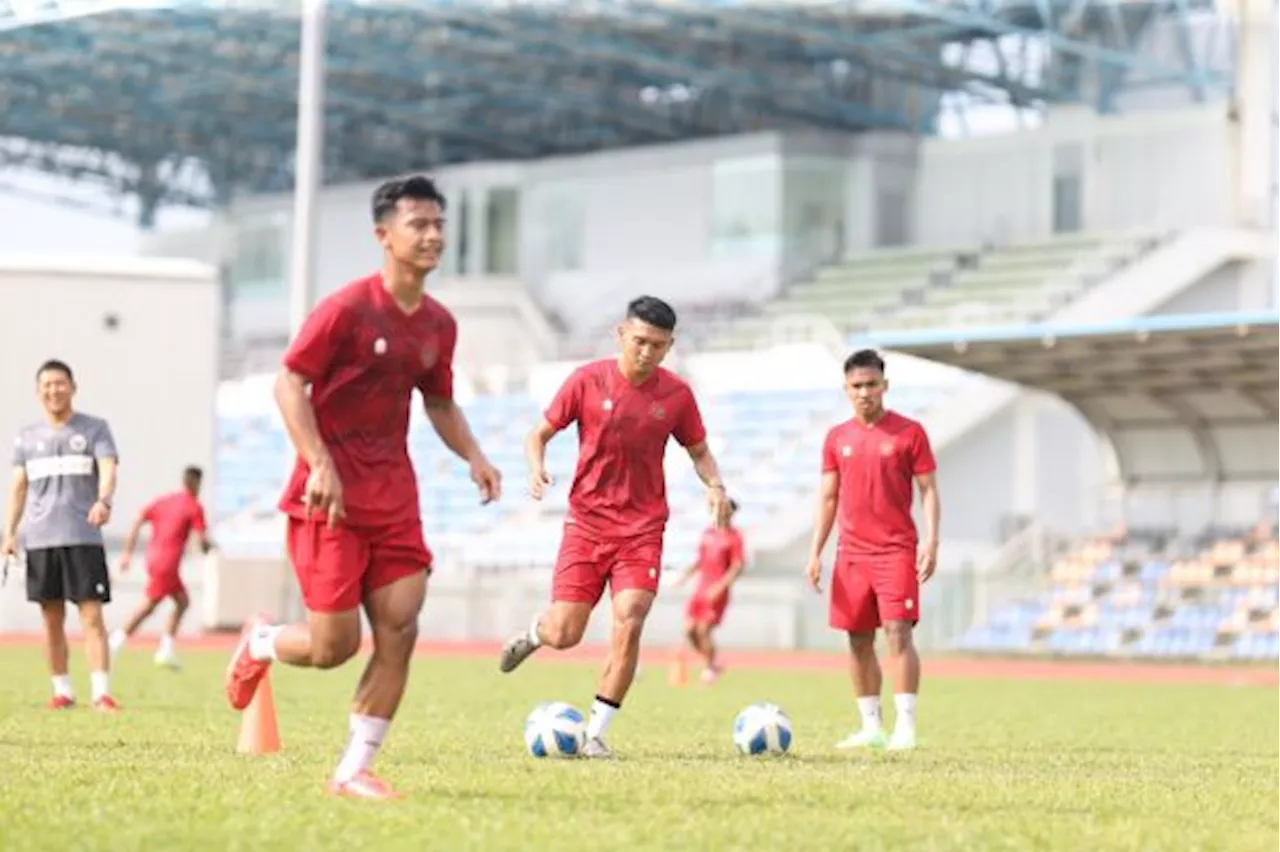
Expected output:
(173, 517)
(869, 466)
(626, 409)
(354, 527)
(721, 558)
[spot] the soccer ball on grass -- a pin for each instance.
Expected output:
(555, 729)
(762, 729)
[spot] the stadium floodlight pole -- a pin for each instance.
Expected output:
(308, 161)
(308, 175)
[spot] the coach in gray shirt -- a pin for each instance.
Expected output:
(64, 475)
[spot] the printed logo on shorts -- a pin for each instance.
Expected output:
(653, 573)
(910, 604)
(380, 346)
(78, 443)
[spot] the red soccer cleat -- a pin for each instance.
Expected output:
(61, 702)
(363, 785)
(107, 704)
(244, 673)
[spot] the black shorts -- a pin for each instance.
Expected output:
(77, 573)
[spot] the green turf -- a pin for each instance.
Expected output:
(1004, 765)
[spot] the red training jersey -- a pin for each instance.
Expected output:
(619, 487)
(718, 551)
(876, 466)
(173, 517)
(363, 355)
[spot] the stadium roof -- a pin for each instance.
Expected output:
(184, 102)
(1186, 398)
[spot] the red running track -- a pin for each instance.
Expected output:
(942, 666)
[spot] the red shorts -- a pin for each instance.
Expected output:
(164, 580)
(868, 592)
(337, 567)
(587, 561)
(703, 610)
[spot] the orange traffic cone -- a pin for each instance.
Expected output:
(679, 673)
(259, 731)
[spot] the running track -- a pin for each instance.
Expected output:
(943, 666)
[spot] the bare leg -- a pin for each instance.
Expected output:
(181, 603)
(54, 614)
(95, 647)
(904, 669)
(864, 671)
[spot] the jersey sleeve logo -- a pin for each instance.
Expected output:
(78, 443)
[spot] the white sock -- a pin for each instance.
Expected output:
(262, 642)
(100, 683)
(869, 707)
(602, 713)
(904, 721)
(533, 632)
(62, 686)
(367, 734)
(166, 647)
(117, 640)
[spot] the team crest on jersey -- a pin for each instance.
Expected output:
(657, 411)
(78, 443)
(887, 448)
(846, 451)
(430, 354)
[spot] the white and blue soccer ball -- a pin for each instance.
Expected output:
(555, 729)
(762, 729)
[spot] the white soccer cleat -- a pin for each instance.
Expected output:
(167, 661)
(864, 739)
(595, 747)
(902, 741)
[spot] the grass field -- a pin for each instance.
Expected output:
(1004, 764)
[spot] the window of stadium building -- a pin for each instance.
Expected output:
(256, 270)
(502, 217)
(746, 198)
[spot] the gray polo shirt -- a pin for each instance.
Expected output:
(62, 479)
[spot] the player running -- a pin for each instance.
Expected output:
(173, 517)
(64, 476)
(721, 558)
(626, 409)
(354, 526)
(868, 466)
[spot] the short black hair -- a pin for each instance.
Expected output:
(416, 187)
(55, 365)
(865, 358)
(654, 311)
(192, 472)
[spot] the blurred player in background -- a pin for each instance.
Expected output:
(64, 477)
(869, 465)
(721, 558)
(354, 524)
(626, 409)
(173, 517)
